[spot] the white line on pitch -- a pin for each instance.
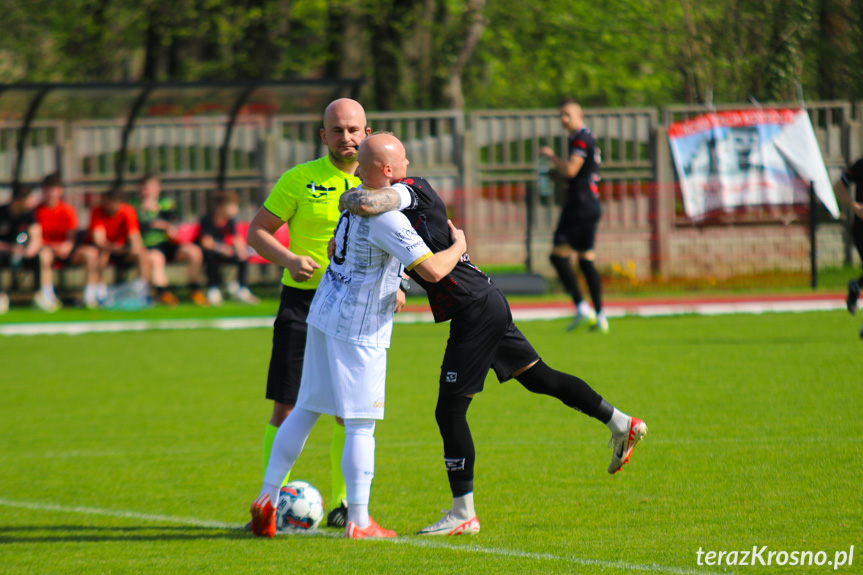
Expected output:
(413, 542)
(524, 314)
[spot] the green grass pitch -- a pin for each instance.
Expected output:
(140, 453)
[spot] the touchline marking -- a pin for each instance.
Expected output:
(412, 541)
(518, 314)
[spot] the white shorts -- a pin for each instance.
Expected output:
(343, 379)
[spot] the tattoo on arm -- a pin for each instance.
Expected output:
(370, 202)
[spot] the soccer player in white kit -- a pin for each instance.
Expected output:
(350, 325)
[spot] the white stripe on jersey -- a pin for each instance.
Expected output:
(357, 295)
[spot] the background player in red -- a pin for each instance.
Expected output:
(21, 246)
(579, 218)
(61, 235)
(114, 231)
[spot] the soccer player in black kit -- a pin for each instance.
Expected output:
(854, 175)
(482, 337)
(579, 218)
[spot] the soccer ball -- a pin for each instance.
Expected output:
(300, 507)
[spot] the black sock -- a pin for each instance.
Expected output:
(458, 450)
(194, 286)
(569, 389)
(594, 283)
(160, 290)
(567, 277)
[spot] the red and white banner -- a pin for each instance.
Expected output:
(731, 159)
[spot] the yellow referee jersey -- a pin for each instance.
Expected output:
(307, 198)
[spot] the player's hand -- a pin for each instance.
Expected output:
(347, 194)
(331, 248)
(456, 234)
(302, 268)
(547, 152)
(401, 298)
(858, 210)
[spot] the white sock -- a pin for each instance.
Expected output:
(358, 467)
(584, 308)
(619, 422)
(462, 507)
(358, 514)
(102, 291)
(48, 293)
(287, 446)
(90, 293)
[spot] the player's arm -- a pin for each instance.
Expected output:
(99, 236)
(135, 241)
(34, 240)
(240, 247)
(840, 190)
(438, 266)
(370, 202)
(566, 168)
(261, 237)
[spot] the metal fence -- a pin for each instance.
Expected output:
(484, 164)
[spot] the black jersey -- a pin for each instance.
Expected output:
(14, 229)
(466, 282)
(220, 234)
(854, 175)
(583, 191)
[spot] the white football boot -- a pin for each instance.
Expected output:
(449, 524)
(623, 444)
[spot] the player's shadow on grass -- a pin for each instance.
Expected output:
(94, 533)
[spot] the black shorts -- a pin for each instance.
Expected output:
(169, 250)
(577, 232)
(482, 336)
(121, 258)
(63, 262)
(857, 236)
(289, 345)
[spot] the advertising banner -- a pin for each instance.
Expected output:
(731, 159)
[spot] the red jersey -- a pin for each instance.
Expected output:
(57, 222)
(117, 227)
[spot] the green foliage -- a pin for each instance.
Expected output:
(418, 53)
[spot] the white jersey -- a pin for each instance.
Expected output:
(357, 295)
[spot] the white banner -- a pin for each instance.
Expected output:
(732, 159)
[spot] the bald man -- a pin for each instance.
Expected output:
(579, 218)
(349, 331)
(306, 199)
(482, 336)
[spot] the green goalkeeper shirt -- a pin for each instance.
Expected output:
(307, 198)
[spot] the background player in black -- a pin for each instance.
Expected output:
(482, 336)
(579, 218)
(21, 245)
(220, 243)
(854, 175)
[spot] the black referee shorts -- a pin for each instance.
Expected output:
(482, 336)
(289, 345)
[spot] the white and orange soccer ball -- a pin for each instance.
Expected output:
(300, 507)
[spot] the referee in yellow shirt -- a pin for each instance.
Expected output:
(306, 198)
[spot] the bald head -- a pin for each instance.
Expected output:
(382, 160)
(344, 129)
